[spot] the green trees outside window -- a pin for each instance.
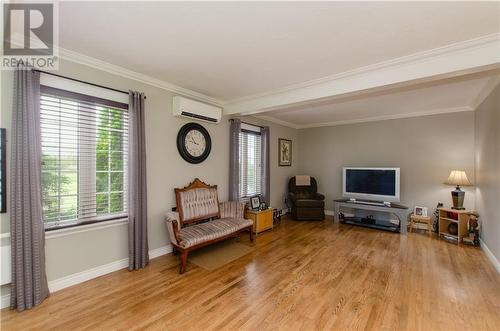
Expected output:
(109, 162)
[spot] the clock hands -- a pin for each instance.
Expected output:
(193, 143)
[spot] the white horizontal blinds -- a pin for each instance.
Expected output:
(250, 163)
(84, 158)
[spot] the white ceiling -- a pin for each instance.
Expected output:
(445, 96)
(231, 50)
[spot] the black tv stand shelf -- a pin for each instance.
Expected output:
(400, 211)
(371, 223)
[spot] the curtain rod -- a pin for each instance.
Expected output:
(259, 126)
(82, 81)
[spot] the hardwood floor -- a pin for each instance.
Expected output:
(300, 276)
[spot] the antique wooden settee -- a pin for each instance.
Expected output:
(200, 219)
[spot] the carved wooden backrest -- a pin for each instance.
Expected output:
(196, 202)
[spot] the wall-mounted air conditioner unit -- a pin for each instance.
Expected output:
(196, 110)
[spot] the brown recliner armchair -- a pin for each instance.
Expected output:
(306, 202)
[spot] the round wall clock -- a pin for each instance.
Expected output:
(194, 143)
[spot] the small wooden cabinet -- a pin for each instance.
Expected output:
(459, 217)
(262, 219)
(418, 219)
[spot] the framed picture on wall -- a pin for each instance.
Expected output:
(284, 152)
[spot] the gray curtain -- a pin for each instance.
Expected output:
(234, 160)
(29, 282)
(137, 197)
(265, 175)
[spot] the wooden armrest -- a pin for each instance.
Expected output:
(173, 226)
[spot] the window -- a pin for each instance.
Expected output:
(84, 158)
(250, 163)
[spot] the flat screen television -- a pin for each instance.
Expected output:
(379, 184)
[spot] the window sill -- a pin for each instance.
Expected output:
(84, 228)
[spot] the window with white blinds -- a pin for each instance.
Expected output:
(84, 158)
(250, 164)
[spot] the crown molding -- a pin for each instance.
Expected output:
(388, 117)
(366, 119)
(459, 58)
(495, 37)
(72, 56)
(254, 103)
(76, 57)
(276, 121)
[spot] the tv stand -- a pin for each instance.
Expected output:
(400, 211)
(370, 202)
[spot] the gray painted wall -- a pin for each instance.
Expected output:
(166, 169)
(425, 148)
(487, 132)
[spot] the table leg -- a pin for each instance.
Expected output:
(336, 211)
(404, 222)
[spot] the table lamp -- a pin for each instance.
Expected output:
(458, 177)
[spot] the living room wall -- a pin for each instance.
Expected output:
(487, 129)
(425, 148)
(78, 252)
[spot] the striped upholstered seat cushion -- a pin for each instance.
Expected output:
(203, 232)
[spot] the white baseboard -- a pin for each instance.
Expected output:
(160, 251)
(490, 255)
(80, 277)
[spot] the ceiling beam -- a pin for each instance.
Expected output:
(452, 60)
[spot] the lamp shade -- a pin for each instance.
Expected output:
(458, 177)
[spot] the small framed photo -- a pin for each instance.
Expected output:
(255, 202)
(420, 211)
(284, 152)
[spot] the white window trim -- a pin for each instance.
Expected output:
(63, 232)
(82, 88)
(250, 127)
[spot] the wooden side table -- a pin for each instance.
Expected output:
(262, 219)
(414, 219)
(459, 217)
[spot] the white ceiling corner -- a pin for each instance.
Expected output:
(490, 85)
